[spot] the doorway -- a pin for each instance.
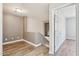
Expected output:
(65, 31)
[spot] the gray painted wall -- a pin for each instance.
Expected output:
(15, 27)
(33, 30)
(12, 27)
(33, 37)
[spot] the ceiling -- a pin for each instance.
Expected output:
(35, 10)
(67, 12)
(39, 11)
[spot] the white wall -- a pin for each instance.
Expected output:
(68, 12)
(0, 29)
(77, 32)
(51, 30)
(59, 29)
(51, 25)
(34, 25)
(71, 28)
(60, 25)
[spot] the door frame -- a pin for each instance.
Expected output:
(52, 26)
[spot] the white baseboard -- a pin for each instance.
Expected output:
(36, 45)
(46, 45)
(12, 41)
(51, 53)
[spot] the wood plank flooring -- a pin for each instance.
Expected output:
(24, 49)
(68, 48)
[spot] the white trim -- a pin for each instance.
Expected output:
(46, 45)
(12, 41)
(36, 45)
(50, 53)
(64, 5)
(47, 38)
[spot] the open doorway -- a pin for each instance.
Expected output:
(46, 34)
(65, 31)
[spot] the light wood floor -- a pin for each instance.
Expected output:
(68, 48)
(24, 49)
